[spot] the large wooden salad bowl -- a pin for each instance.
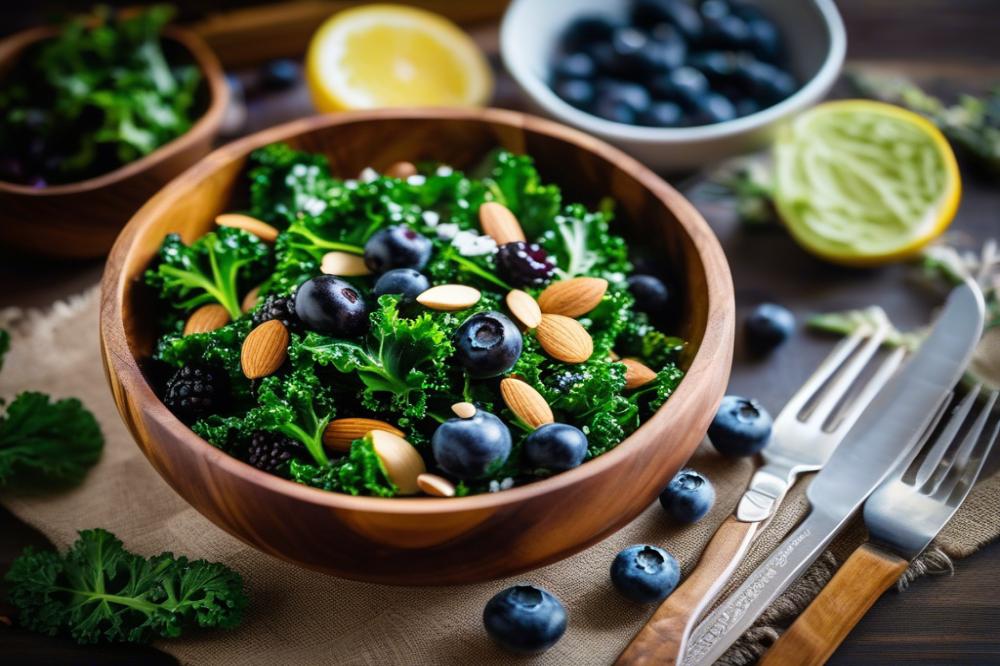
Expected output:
(428, 541)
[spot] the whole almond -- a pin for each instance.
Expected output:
(564, 338)
(449, 297)
(403, 465)
(499, 223)
(526, 403)
(464, 410)
(636, 374)
(251, 299)
(574, 297)
(261, 230)
(344, 264)
(435, 485)
(524, 308)
(339, 433)
(401, 170)
(207, 318)
(264, 350)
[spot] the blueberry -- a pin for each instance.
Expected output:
(768, 326)
(746, 106)
(471, 448)
(680, 14)
(688, 496)
(621, 102)
(644, 574)
(663, 114)
(525, 619)
(279, 74)
(726, 32)
(575, 66)
(712, 108)
(766, 82)
(667, 48)
(630, 48)
(487, 344)
(741, 427)
(651, 295)
(397, 246)
(577, 92)
(765, 40)
(403, 281)
(555, 447)
(715, 65)
(329, 305)
(713, 10)
(684, 85)
(586, 30)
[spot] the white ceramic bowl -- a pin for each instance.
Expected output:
(812, 29)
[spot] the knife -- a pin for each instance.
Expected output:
(881, 438)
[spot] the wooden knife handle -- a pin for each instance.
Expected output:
(818, 631)
(662, 640)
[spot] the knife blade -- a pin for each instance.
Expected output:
(880, 439)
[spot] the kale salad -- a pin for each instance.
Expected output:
(422, 330)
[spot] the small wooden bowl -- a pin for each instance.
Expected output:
(81, 220)
(428, 541)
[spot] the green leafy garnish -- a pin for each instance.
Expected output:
(358, 473)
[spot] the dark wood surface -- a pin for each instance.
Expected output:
(950, 46)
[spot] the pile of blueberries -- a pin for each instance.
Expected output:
(674, 63)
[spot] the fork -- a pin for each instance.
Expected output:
(903, 516)
(804, 435)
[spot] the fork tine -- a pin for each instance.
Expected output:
(856, 407)
(945, 439)
(942, 408)
(967, 480)
(948, 478)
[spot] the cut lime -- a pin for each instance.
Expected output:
(864, 183)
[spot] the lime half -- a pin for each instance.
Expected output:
(864, 183)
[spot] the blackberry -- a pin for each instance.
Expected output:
(193, 392)
(524, 265)
(272, 452)
(281, 308)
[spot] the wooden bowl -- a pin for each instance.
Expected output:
(81, 220)
(428, 541)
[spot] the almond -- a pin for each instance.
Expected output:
(524, 308)
(464, 410)
(636, 374)
(564, 338)
(403, 465)
(251, 299)
(573, 297)
(499, 223)
(435, 485)
(449, 297)
(340, 433)
(264, 350)
(206, 318)
(261, 230)
(401, 170)
(614, 356)
(344, 264)
(526, 403)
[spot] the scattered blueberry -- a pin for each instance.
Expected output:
(555, 447)
(525, 619)
(471, 448)
(644, 574)
(487, 344)
(768, 326)
(741, 427)
(329, 305)
(404, 281)
(688, 496)
(397, 246)
(524, 265)
(651, 295)
(279, 74)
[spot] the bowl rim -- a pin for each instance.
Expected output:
(210, 118)
(716, 341)
(544, 96)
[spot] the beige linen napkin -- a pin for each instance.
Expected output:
(297, 616)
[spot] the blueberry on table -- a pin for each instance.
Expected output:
(525, 619)
(586, 30)
(329, 305)
(644, 574)
(741, 427)
(663, 114)
(556, 447)
(397, 246)
(487, 344)
(651, 295)
(524, 264)
(406, 282)
(688, 496)
(768, 326)
(678, 13)
(471, 448)
(280, 74)
(578, 92)
(194, 392)
(575, 66)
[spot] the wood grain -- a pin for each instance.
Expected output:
(428, 540)
(824, 625)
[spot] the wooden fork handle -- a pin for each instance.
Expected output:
(818, 631)
(662, 640)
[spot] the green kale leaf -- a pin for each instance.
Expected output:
(286, 184)
(358, 473)
(220, 348)
(514, 181)
(582, 244)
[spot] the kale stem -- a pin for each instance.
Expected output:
(474, 268)
(323, 243)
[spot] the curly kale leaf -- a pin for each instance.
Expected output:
(217, 268)
(286, 184)
(652, 396)
(298, 405)
(609, 319)
(52, 441)
(358, 473)
(99, 592)
(220, 348)
(642, 340)
(514, 181)
(582, 244)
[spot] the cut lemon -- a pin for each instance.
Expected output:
(390, 55)
(864, 183)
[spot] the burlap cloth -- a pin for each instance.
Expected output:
(297, 616)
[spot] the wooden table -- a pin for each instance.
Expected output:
(948, 45)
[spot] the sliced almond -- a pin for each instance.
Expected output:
(499, 223)
(449, 297)
(564, 338)
(526, 403)
(464, 410)
(250, 300)
(340, 433)
(344, 264)
(264, 350)
(435, 485)
(636, 374)
(401, 170)
(207, 318)
(524, 308)
(403, 465)
(573, 297)
(261, 230)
